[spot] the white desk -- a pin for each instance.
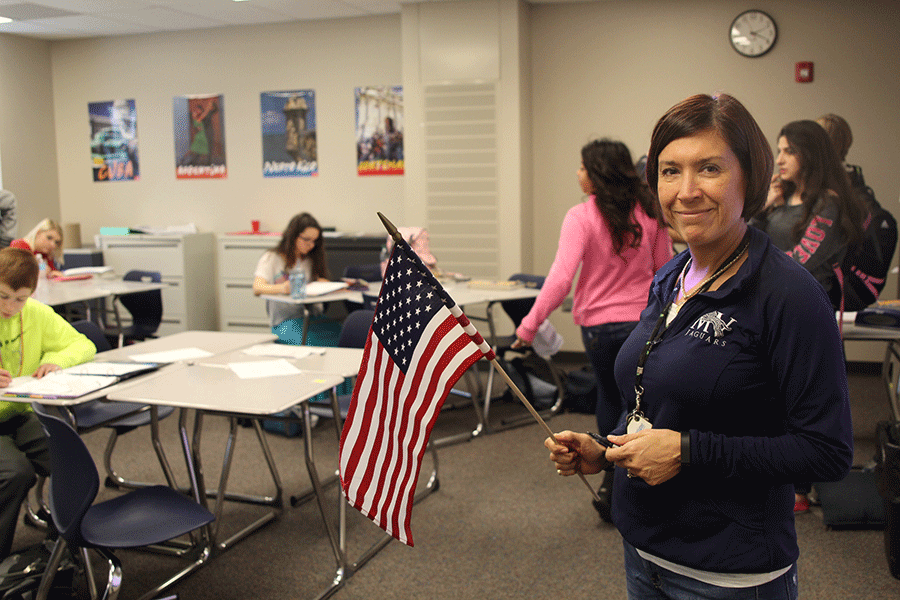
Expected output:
(338, 296)
(60, 293)
(214, 342)
(209, 387)
(56, 293)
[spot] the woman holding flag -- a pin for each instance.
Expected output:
(734, 378)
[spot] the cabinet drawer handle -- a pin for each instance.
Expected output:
(169, 245)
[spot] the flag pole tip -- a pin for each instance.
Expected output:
(390, 227)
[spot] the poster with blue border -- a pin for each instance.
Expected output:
(289, 134)
(379, 130)
(114, 142)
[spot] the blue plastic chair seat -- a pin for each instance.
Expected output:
(122, 522)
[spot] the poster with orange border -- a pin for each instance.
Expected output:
(379, 130)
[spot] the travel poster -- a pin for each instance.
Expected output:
(199, 136)
(379, 130)
(289, 134)
(114, 144)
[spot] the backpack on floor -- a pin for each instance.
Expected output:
(581, 391)
(21, 573)
(866, 266)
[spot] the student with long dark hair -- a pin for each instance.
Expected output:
(811, 211)
(617, 239)
(301, 246)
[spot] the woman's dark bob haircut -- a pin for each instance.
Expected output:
(728, 117)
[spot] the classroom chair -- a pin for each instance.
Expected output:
(145, 308)
(370, 273)
(120, 417)
(141, 518)
(90, 415)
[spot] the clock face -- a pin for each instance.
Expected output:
(753, 33)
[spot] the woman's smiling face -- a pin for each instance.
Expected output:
(701, 189)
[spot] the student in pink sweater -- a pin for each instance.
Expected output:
(618, 240)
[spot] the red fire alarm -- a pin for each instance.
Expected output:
(804, 72)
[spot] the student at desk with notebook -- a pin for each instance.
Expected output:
(33, 340)
(301, 247)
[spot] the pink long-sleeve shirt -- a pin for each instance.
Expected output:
(611, 288)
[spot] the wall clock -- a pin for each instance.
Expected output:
(753, 33)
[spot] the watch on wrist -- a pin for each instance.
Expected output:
(604, 443)
(685, 448)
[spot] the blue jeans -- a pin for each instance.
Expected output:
(647, 581)
(602, 344)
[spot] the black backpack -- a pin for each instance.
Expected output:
(865, 267)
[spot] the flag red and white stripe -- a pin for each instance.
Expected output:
(419, 345)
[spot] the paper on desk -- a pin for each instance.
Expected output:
(320, 288)
(285, 350)
(58, 385)
(108, 368)
(170, 356)
(263, 368)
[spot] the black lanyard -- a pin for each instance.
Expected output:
(660, 328)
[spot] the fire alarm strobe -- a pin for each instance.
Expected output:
(804, 72)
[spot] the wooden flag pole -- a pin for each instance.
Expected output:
(537, 417)
(509, 382)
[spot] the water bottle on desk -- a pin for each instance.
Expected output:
(298, 283)
(42, 268)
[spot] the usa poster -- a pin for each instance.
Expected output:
(379, 130)
(114, 143)
(199, 136)
(289, 134)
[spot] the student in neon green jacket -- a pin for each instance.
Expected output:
(34, 340)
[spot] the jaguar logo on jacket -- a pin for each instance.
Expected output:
(712, 322)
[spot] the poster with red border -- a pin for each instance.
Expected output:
(199, 136)
(379, 130)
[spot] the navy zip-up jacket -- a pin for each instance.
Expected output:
(755, 372)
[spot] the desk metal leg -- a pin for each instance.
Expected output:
(337, 545)
(337, 419)
(890, 373)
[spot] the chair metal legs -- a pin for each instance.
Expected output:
(113, 479)
(36, 509)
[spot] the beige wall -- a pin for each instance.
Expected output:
(27, 132)
(612, 68)
(590, 69)
(331, 57)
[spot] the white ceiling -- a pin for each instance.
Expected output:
(67, 19)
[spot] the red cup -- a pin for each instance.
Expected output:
(255, 224)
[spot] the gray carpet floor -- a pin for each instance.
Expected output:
(501, 525)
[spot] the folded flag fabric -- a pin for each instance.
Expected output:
(419, 345)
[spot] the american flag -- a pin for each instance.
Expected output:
(419, 345)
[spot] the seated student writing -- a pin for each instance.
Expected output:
(43, 241)
(34, 340)
(301, 246)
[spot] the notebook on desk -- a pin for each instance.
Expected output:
(320, 288)
(76, 381)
